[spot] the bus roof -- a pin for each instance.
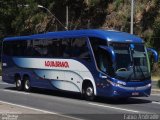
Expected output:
(109, 35)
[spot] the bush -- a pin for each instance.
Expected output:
(117, 3)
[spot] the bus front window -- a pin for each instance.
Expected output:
(131, 65)
(104, 61)
(102, 57)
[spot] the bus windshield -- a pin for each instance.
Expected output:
(132, 64)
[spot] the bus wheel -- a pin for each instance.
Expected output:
(19, 84)
(89, 92)
(27, 85)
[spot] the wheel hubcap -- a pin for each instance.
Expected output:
(89, 91)
(18, 83)
(27, 85)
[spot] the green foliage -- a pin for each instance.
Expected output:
(17, 19)
(117, 3)
(13, 15)
(156, 27)
(93, 2)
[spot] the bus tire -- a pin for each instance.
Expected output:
(27, 84)
(19, 84)
(89, 92)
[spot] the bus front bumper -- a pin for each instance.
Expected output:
(119, 91)
(141, 91)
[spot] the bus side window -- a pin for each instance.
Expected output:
(14, 48)
(52, 48)
(99, 55)
(49, 46)
(38, 48)
(104, 62)
(80, 49)
(7, 48)
(20, 47)
(66, 48)
(29, 51)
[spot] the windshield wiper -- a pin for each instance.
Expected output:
(142, 73)
(132, 64)
(136, 74)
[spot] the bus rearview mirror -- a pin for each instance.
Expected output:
(154, 53)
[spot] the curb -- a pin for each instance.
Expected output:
(155, 85)
(155, 91)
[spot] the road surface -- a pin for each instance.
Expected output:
(67, 106)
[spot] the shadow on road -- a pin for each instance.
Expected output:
(73, 95)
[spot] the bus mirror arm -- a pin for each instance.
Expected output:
(155, 54)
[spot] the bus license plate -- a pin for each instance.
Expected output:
(135, 93)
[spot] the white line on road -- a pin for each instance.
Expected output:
(114, 108)
(40, 110)
(13, 91)
(156, 102)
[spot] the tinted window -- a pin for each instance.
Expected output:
(6, 48)
(80, 48)
(37, 48)
(15, 48)
(66, 48)
(52, 48)
(95, 43)
(49, 47)
(101, 56)
(29, 51)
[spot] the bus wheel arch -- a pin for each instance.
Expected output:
(88, 90)
(18, 82)
(27, 83)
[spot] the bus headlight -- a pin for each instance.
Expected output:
(149, 85)
(113, 84)
(117, 85)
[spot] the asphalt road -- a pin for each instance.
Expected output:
(70, 105)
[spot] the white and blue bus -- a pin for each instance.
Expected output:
(92, 62)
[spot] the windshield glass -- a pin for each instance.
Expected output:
(132, 62)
